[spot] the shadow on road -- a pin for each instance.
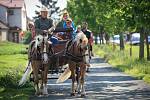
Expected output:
(103, 83)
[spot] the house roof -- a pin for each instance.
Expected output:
(3, 26)
(12, 3)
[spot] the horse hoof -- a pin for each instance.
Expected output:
(37, 93)
(40, 95)
(76, 91)
(72, 94)
(79, 92)
(87, 71)
(82, 95)
(46, 95)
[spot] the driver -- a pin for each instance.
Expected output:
(43, 23)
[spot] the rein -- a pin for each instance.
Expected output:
(72, 56)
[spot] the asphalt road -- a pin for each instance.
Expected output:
(103, 82)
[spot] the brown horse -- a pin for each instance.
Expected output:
(77, 51)
(74, 55)
(38, 52)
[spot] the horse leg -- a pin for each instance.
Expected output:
(44, 79)
(41, 81)
(79, 86)
(36, 79)
(77, 78)
(79, 83)
(82, 76)
(72, 69)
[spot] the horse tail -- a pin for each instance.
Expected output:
(25, 75)
(64, 76)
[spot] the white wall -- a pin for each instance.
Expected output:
(15, 19)
(3, 14)
(3, 35)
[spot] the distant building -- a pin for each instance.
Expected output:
(13, 19)
(3, 31)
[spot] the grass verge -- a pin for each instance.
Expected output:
(13, 60)
(122, 60)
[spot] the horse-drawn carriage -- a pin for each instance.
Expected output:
(46, 58)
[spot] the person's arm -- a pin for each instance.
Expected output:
(64, 25)
(74, 30)
(74, 34)
(37, 27)
(73, 25)
(51, 26)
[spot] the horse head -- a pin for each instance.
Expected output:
(42, 42)
(81, 40)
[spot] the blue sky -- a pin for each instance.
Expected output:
(30, 6)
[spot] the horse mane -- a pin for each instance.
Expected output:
(81, 38)
(39, 40)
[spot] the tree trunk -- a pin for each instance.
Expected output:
(141, 52)
(107, 38)
(130, 45)
(95, 39)
(147, 45)
(121, 42)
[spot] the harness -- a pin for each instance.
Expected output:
(76, 58)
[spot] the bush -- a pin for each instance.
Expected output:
(11, 79)
(28, 37)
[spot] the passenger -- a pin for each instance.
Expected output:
(70, 35)
(78, 29)
(62, 23)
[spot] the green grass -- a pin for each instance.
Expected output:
(16, 61)
(15, 94)
(8, 48)
(122, 60)
(13, 60)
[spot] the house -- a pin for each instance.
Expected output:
(3, 31)
(13, 19)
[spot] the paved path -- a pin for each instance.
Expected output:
(103, 82)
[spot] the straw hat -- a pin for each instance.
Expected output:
(65, 13)
(44, 9)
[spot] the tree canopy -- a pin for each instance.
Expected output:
(114, 16)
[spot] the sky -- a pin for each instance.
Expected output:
(31, 6)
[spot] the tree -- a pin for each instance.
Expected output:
(117, 16)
